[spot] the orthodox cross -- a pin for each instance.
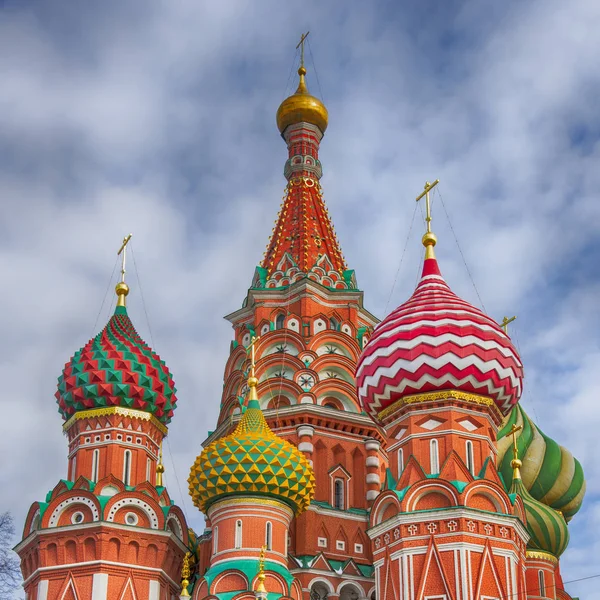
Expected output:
(505, 323)
(185, 575)
(301, 46)
(428, 187)
(513, 432)
(123, 251)
(252, 351)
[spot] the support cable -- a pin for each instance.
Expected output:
(137, 273)
(385, 312)
(461, 252)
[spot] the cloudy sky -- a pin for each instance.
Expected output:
(158, 118)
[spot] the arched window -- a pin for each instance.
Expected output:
(269, 536)
(470, 461)
(334, 324)
(238, 534)
(541, 583)
(338, 494)
(434, 457)
(215, 540)
(400, 461)
(127, 467)
(280, 321)
(95, 461)
(148, 467)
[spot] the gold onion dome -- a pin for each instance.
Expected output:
(252, 461)
(301, 107)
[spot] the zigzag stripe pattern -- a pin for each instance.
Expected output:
(436, 341)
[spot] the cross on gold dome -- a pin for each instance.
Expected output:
(429, 239)
(252, 381)
(122, 289)
(185, 575)
(301, 46)
(260, 586)
(505, 323)
(515, 463)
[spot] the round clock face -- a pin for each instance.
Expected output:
(306, 381)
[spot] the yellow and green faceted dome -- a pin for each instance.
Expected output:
(252, 461)
(117, 368)
(550, 473)
(547, 527)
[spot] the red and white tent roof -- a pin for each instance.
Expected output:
(436, 341)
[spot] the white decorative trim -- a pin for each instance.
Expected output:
(52, 522)
(306, 447)
(173, 517)
(372, 461)
(372, 445)
(305, 430)
(150, 513)
(42, 590)
(372, 478)
(99, 586)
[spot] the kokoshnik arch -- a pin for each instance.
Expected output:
(352, 459)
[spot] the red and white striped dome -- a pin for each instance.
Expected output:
(436, 341)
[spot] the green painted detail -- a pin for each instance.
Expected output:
(116, 368)
(262, 276)
(234, 345)
(547, 527)
(349, 278)
(249, 567)
(550, 473)
(252, 461)
(390, 482)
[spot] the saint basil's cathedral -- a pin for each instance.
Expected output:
(352, 459)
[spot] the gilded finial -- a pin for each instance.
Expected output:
(160, 468)
(429, 239)
(185, 575)
(252, 380)
(505, 323)
(260, 584)
(122, 289)
(515, 463)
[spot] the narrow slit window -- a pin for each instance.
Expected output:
(338, 492)
(95, 461)
(400, 461)
(215, 540)
(269, 536)
(470, 461)
(238, 534)
(127, 467)
(434, 457)
(541, 583)
(279, 321)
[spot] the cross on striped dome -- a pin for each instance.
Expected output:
(435, 341)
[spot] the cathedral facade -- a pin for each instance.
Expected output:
(352, 459)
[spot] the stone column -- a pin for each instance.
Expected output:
(372, 464)
(305, 445)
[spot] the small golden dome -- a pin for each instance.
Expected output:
(302, 107)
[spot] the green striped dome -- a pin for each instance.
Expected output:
(547, 527)
(550, 473)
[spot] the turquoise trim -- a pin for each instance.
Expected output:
(249, 567)
(120, 310)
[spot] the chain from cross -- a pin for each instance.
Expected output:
(301, 46)
(505, 323)
(428, 187)
(123, 251)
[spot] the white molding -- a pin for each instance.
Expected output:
(42, 590)
(99, 586)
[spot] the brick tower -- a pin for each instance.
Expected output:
(306, 310)
(109, 530)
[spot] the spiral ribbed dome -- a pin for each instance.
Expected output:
(252, 461)
(117, 368)
(435, 341)
(550, 472)
(547, 527)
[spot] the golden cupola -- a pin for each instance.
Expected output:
(301, 107)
